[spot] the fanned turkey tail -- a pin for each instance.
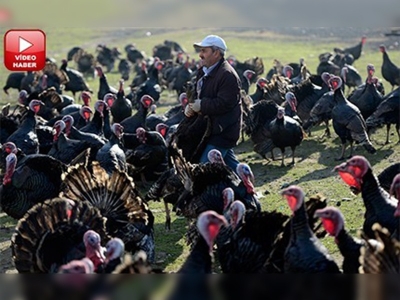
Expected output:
(51, 234)
(128, 216)
(382, 255)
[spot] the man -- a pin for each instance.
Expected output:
(218, 97)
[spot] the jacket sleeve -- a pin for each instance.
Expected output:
(227, 97)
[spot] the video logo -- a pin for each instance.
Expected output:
(24, 50)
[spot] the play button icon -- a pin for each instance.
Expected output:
(24, 44)
(25, 50)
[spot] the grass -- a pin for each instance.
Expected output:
(314, 158)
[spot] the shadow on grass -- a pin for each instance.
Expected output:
(168, 242)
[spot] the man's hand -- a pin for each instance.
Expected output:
(189, 112)
(196, 106)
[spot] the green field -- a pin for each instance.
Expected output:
(314, 158)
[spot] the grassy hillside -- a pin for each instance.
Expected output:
(314, 157)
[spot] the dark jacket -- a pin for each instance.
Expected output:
(220, 101)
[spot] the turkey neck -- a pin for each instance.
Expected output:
(373, 195)
(345, 242)
(199, 260)
(30, 121)
(300, 227)
(339, 97)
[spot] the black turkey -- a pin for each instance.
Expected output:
(65, 149)
(389, 70)
(150, 158)
(386, 113)
(121, 107)
(355, 51)
(112, 156)
(348, 122)
(107, 56)
(305, 252)
(23, 183)
(25, 136)
(285, 132)
(14, 81)
(379, 205)
(367, 96)
(104, 87)
(333, 222)
(76, 81)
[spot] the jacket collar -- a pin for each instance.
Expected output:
(213, 71)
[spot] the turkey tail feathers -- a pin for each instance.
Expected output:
(382, 255)
(51, 234)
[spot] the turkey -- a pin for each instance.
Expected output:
(104, 87)
(355, 51)
(14, 81)
(152, 85)
(199, 260)
(150, 158)
(111, 156)
(25, 136)
(85, 62)
(379, 206)
(246, 80)
(107, 57)
(204, 184)
(65, 149)
(290, 106)
(133, 54)
(139, 118)
(285, 132)
(305, 252)
(367, 97)
(261, 115)
(179, 76)
(6, 149)
(390, 72)
(141, 76)
(245, 245)
(124, 68)
(72, 52)
(333, 222)
(95, 125)
(276, 260)
(259, 93)
(307, 94)
(322, 109)
(351, 77)
(121, 107)
(348, 122)
(76, 81)
(23, 183)
(387, 113)
(51, 234)
(93, 140)
(115, 195)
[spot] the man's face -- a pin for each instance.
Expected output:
(208, 56)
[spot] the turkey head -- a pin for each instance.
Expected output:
(352, 171)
